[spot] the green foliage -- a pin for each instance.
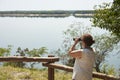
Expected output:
(37, 52)
(108, 69)
(108, 17)
(5, 51)
(28, 53)
(15, 64)
(31, 53)
(104, 44)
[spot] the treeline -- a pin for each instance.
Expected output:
(49, 13)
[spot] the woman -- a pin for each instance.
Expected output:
(84, 58)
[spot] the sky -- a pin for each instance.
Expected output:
(49, 4)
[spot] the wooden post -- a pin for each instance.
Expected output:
(50, 71)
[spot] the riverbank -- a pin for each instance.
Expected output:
(53, 13)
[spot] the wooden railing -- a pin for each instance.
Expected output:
(49, 62)
(28, 59)
(70, 69)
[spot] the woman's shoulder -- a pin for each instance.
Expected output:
(88, 50)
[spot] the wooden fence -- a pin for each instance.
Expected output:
(49, 62)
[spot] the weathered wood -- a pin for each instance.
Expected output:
(104, 76)
(70, 69)
(28, 59)
(50, 71)
(58, 66)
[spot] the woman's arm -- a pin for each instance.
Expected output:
(75, 53)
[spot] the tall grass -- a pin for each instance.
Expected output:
(12, 73)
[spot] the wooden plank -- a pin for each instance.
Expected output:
(104, 76)
(70, 69)
(51, 71)
(58, 66)
(28, 59)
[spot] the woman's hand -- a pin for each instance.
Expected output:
(76, 40)
(73, 46)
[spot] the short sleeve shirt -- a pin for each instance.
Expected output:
(83, 66)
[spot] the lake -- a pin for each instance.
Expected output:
(40, 32)
(35, 32)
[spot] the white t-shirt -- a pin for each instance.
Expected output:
(83, 66)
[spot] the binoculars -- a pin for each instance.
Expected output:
(79, 39)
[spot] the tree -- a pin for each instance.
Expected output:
(17, 64)
(36, 53)
(107, 17)
(103, 45)
(75, 30)
(5, 51)
(108, 69)
(28, 53)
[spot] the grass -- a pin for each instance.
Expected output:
(11, 73)
(14, 73)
